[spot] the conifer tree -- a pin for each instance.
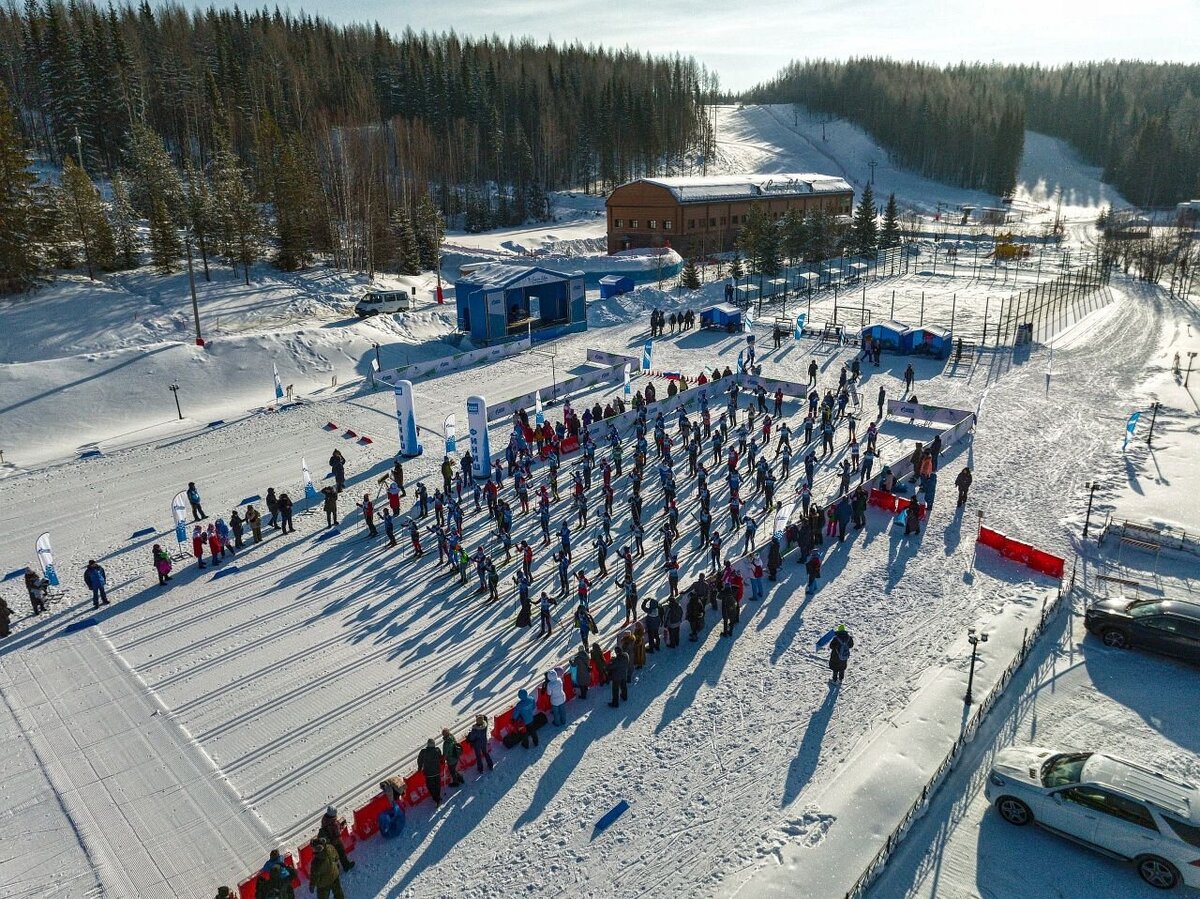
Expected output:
(890, 235)
(165, 245)
(238, 218)
(83, 219)
(691, 275)
(153, 176)
(736, 269)
(299, 212)
(429, 230)
(408, 258)
(864, 232)
(18, 207)
(124, 223)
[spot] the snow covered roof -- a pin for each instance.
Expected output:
(713, 188)
(500, 274)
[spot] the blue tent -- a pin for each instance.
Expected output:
(934, 342)
(615, 285)
(722, 316)
(890, 334)
(500, 301)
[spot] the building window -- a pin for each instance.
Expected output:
(618, 223)
(667, 225)
(653, 224)
(633, 223)
(691, 224)
(712, 223)
(722, 220)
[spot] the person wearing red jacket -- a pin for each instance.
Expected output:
(813, 566)
(214, 544)
(198, 545)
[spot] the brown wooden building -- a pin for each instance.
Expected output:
(697, 215)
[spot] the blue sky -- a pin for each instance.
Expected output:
(746, 42)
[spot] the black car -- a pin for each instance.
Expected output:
(1159, 625)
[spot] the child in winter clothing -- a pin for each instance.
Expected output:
(558, 697)
(813, 567)
(198, 544)
(162, 564)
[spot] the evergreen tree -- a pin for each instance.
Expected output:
(408, 257)
(736, 269)
(18, 207)
(890, 235)
(690, 277)
(864, 232)
(124, 223)
(429, 228)
(239, 221)
(299, 213)
(153, 176)
(165, 245)
(83, 218)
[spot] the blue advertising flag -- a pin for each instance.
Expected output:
(451, 442)
(278, 383)
(628, 389)
(800, 325)
(1130, 427)
(741, 363)
(647, 355)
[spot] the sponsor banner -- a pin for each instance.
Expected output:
(939, 414)
(603, 357)
(477, 432)
(448, 427)
(179, 510)
(565, 388)
(45, 555)
(458, 362)
(406, 419)
(310, 492)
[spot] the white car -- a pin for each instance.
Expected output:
(383, 302)
(1116, 807)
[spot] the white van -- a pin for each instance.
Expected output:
(383, 301)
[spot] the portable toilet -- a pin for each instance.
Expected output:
(615, 285)
(890, 334)
(924, 341)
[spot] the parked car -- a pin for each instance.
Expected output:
(1159, 625)
(383, 301)
(1116, 807)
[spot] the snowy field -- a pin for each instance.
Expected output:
(166, 747)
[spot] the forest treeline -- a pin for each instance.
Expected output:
(964, 124)
(341, 130)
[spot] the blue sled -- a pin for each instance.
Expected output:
(609, 817)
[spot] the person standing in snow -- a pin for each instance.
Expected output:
(389, 527)
(162, 564)
(429, 763)
(478, 738)
(452, 753)
(272, 507)
(285, 513)
(368, 510)
(324, 878)
(337, 465)
(558, 697)
(672, 620)
(198, 543)
(695, 614)
(618, 677)
(95, 577)
(524, 715)
(236, 526)
(331, 831)
(581, 671)
(398, 476)
(214, 544)
(193, 496)
(813, 567)
(330, 505)
(544, 618)
(253, 520)
(963, 483)
(840, 643)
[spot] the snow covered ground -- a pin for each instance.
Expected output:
(165, 743)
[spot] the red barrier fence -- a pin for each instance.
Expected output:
(892, 503)
(1025, 553)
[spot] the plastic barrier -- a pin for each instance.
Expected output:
(568, 445)
(305, 863)
(415, 791)
(248, 889)
(892, 503)
(350, 434)
(467, 759)
(542, 702)
(1025, 553)
(364, 439)
(348, 840)
(330, 426)
(502, 726)
(366, 818)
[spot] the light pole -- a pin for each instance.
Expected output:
(1091, 487)
(1154, 407)
(174, 388)
(1191, 356)
(187, 242)
(974, 639)
(378, 367)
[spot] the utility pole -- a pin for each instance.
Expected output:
(1191, 357)
(187, 242)
(174, 388)
(872, 165)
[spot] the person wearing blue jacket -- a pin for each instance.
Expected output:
(193, 497)
(96, 578)
(524, 713)
(843, 513)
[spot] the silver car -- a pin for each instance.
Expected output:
(1108, 804)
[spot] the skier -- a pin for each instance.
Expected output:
(544, 621)
(95, 578)
(368, 510)
(193, 496)
(389, 527)
(583, 621)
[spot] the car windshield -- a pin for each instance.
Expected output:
(1144, 609)
(1064, 769)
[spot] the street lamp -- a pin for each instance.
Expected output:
(1191, 356)
(174, 388)
(1091, 488)
(1154, 407)
(974, 639)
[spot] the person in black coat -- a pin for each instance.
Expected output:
(337, 464)
(429, 762)
(963, 483)
(331, 831)
(695, 615)
(285, 514)
(618, 677)
(839, 653)
(478, 738)
(331, 496)
(729, 610)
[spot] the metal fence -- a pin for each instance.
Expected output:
(918, 807)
